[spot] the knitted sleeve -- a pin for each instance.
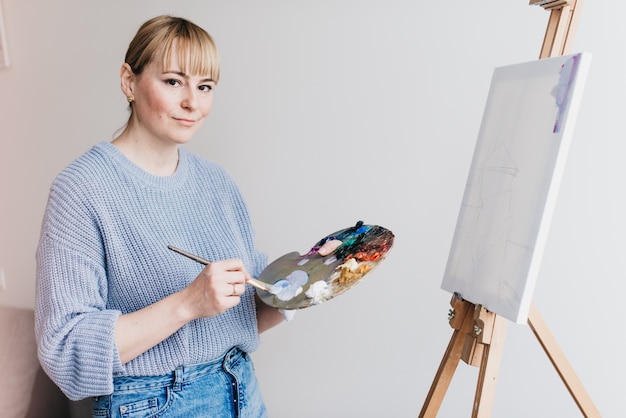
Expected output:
(77, 349)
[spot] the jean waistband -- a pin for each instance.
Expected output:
(182, 374)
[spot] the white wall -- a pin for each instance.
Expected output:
(333, 111)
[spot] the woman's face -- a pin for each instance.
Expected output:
(170, 106)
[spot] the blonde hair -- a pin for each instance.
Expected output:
(197, 53)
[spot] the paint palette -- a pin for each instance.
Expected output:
(299, 281)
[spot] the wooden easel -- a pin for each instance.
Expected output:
(478, 336)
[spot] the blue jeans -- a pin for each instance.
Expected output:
(223, 388)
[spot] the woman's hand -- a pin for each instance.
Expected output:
(217, 288)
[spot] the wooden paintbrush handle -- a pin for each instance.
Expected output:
(260, 285)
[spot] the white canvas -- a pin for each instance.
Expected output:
(513, 182)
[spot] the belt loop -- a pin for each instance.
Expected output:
(228, 357)
(178, 378)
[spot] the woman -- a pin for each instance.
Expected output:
(121, 318)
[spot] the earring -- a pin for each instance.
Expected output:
(130, 99)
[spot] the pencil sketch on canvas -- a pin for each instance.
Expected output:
(513, 181)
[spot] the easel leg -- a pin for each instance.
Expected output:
(489, 369)
(462, 324)
(560, 363)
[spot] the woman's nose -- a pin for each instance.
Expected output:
(189, 99)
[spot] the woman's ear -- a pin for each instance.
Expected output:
(127, 78)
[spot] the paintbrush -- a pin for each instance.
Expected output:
(253, 282)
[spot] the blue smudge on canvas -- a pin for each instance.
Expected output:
(562, 91)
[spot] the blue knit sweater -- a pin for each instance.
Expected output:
(103, 252)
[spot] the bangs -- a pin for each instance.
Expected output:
(196, 55)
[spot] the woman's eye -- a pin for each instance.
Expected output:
(206, 88)
(173, 82)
